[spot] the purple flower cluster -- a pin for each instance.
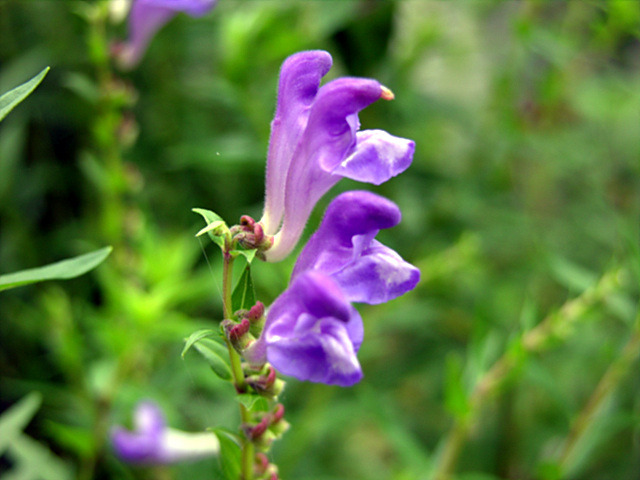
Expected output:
(312, 331)
(147, 17)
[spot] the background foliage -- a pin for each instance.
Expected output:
(521, 209)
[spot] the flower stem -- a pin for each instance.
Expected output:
(605, 387)
(556, 325)
(236, 364)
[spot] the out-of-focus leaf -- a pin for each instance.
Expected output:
(244, 295)
(572, 276)
(36, 461)
(455, 394)
(9, 100)
(215, 355)
(230, 454)
(13, 421)
(64, 269)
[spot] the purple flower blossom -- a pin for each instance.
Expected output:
(149, 16)
(153, 442)
(344, 248)
(312, 332)
(315, 141)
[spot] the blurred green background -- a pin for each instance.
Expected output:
(521, 209)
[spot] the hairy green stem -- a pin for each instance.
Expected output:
(556, 325)
(236, 363)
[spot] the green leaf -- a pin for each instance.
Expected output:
(218, 231)
(69, 268)
(36, 461)
(9, 100)
(196, 336)
(230, 454)
(248, 254)
(13, 420)
(253, 402)
(244, 295)
(215, 355)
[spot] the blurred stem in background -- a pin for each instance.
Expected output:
(108, 174)
(556, 326)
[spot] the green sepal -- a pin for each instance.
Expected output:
(216, 228)
(13, 97)
(216, 356)
(230, 453)
(253, 402)
(244, 295)
(62, 270)
(196, 336)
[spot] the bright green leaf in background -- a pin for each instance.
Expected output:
(9, 100)
(64, 269)
(13, 421)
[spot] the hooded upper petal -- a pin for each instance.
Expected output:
(344, 248)
(297, 88)
(312, 332)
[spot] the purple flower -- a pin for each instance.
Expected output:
(147, 17)
(312, 332)
(344, 247)
(315, 141)
(153, 442)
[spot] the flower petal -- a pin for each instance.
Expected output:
(344, 248)
(312, 332)
(330, 137)
(378, 156)
(299, 82)
(378, 275)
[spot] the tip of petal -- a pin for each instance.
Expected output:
(386, 93)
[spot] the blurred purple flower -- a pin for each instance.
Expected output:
(149, 16)
(315, 141)
(312, 332)
(153, 442)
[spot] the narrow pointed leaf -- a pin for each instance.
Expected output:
(230, 454)
(212, 218)
(64, 269)
(13, 420)
(196, 336)
(215, 355)
(9, 100)
(244, 295)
